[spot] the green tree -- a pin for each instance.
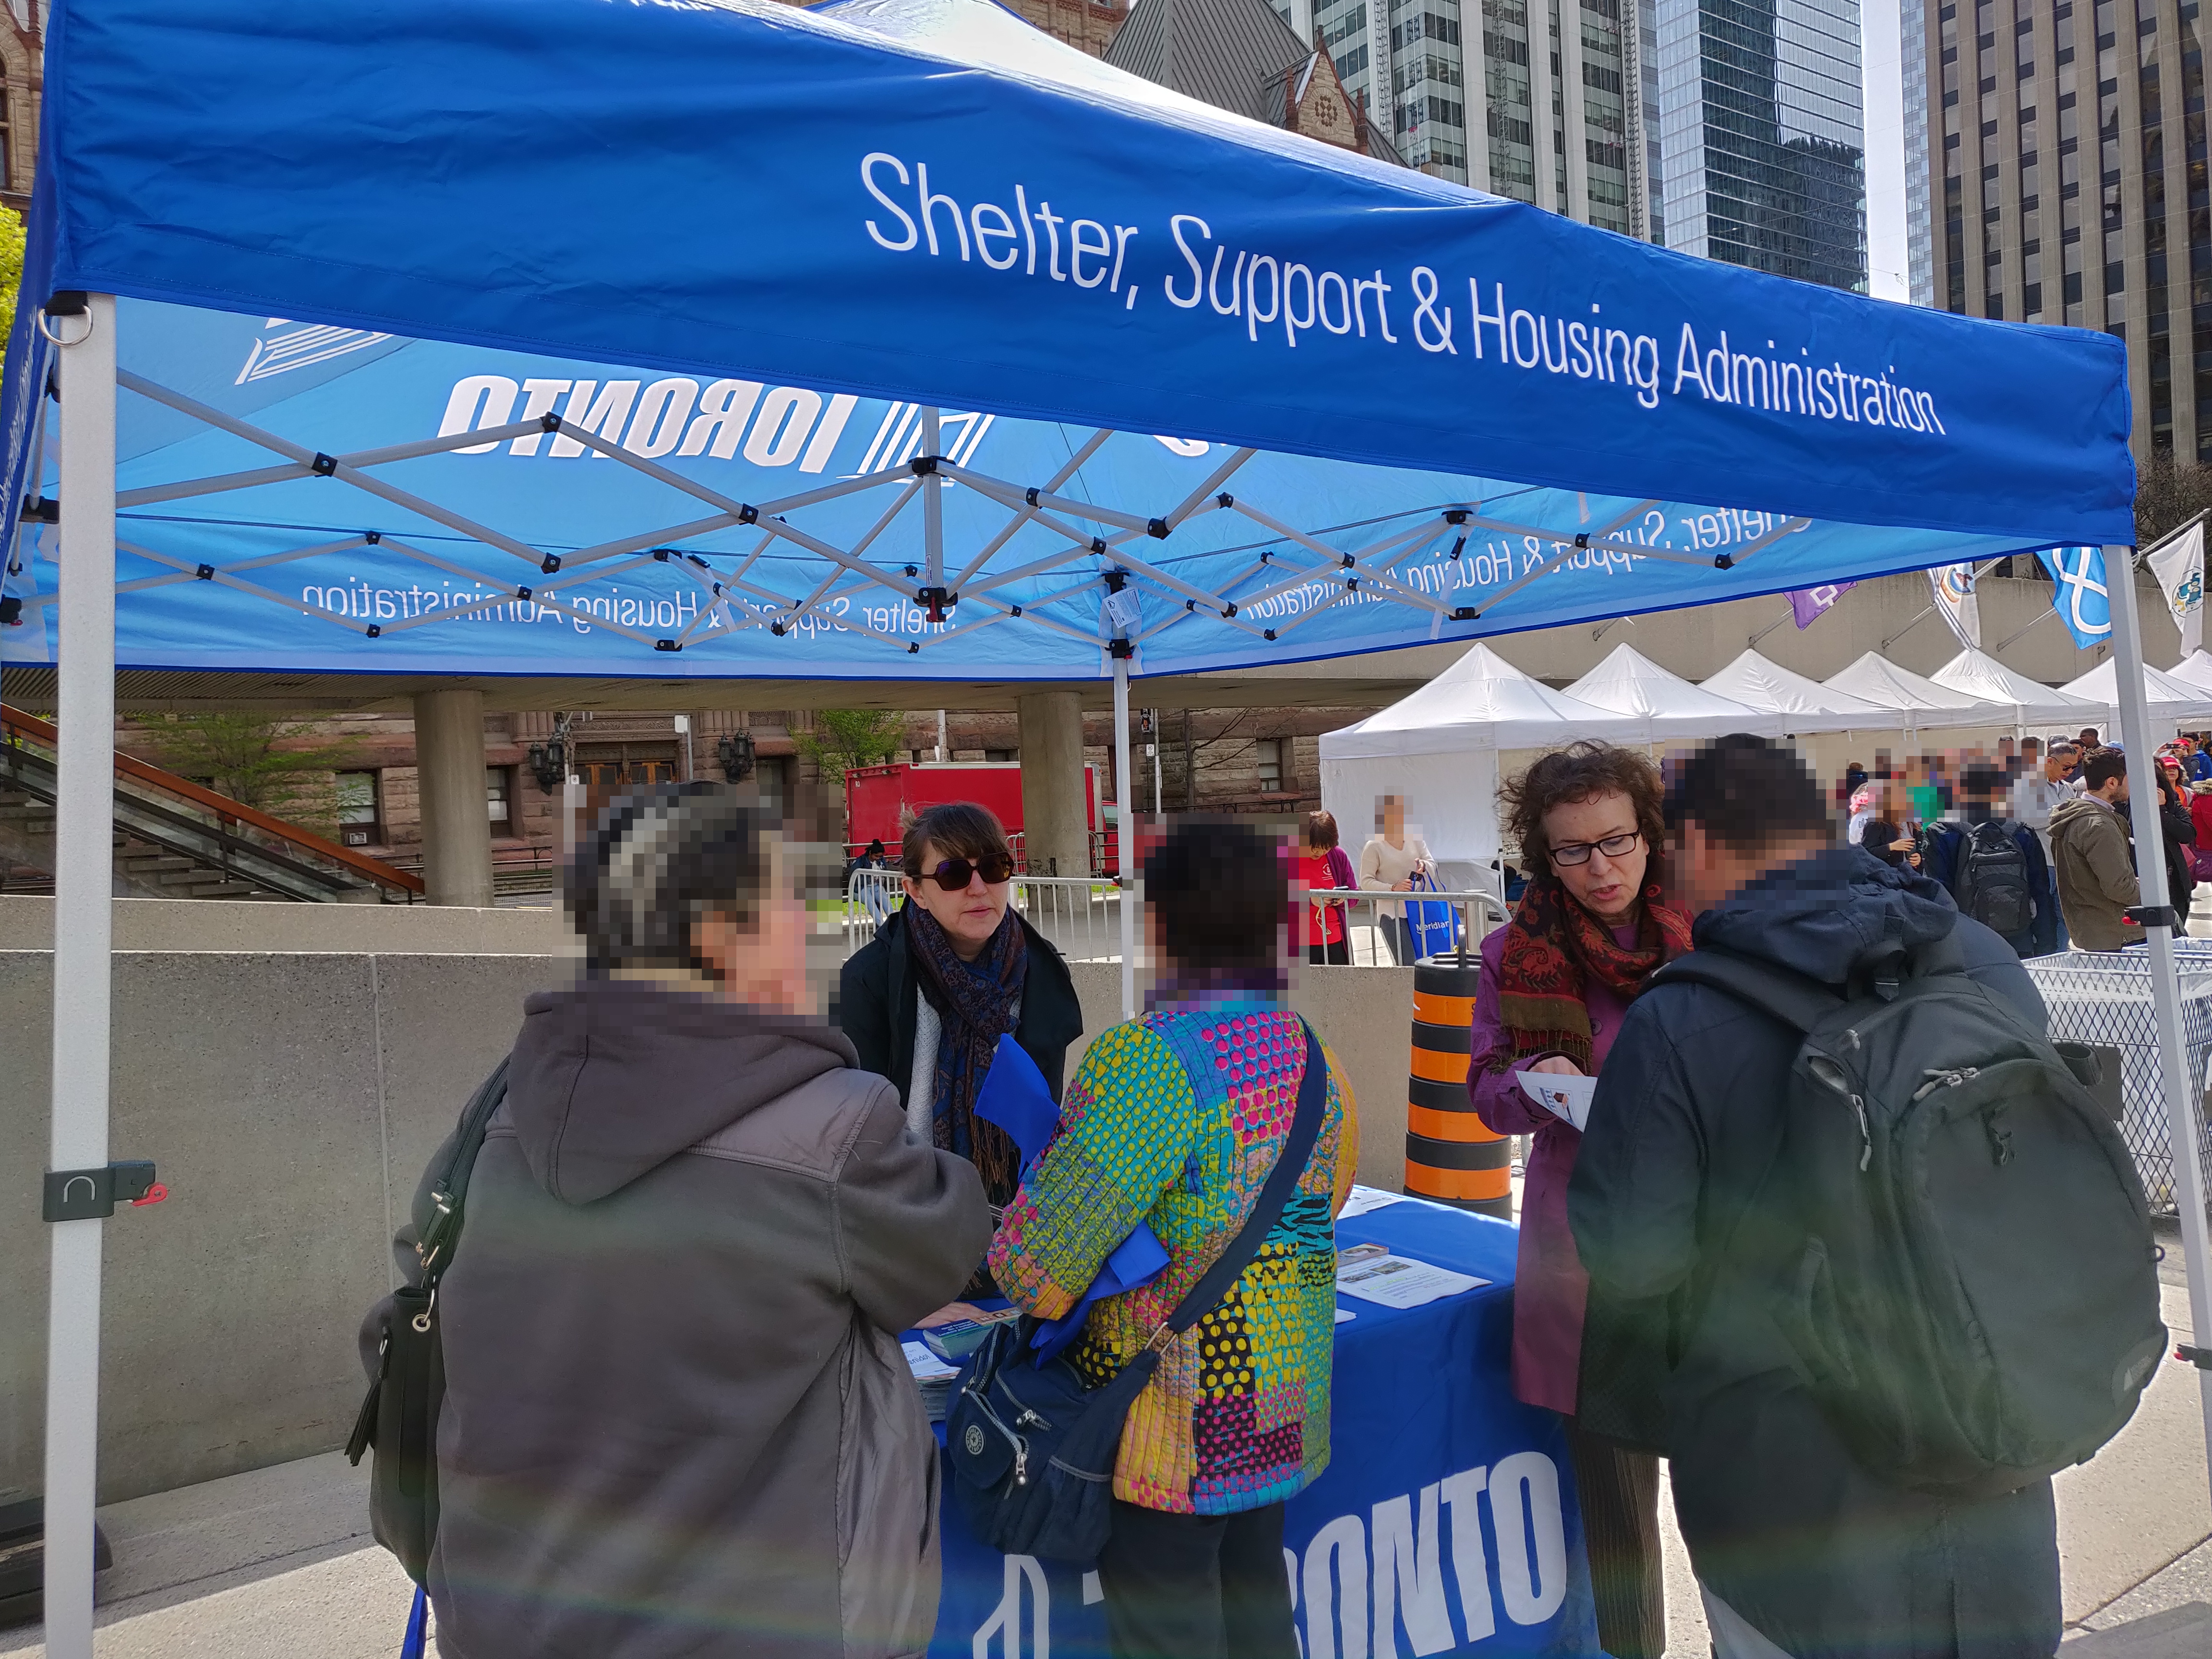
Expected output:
(843, 739)
(11, 266)
(283, 767)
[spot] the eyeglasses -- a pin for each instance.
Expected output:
(1613, 846)
(953, 875)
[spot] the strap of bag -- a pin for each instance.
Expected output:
(1282, 1181)
(449, 1192)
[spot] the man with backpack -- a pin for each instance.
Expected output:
(1993, 868)
(1866, 1262)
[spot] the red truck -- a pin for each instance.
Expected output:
(881, 800)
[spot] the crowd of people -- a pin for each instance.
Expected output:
(676, 1416)
(2036, 839)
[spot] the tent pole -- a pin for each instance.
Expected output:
(2166, 995)
(84, 813)
(932, 509)
(1125, 838)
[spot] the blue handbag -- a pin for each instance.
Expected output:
(1033, 1449)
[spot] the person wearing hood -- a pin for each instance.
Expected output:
(952, 971)
(2092, 855)
(1798, 1549)
(677, 1418)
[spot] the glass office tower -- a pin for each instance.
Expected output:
(1543, 100)
(1763, 135)
(2066, 183)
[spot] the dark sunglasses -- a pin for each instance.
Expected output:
(953, 875)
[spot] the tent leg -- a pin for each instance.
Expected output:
(2166, 995)
(1125, 838)
(84, 814)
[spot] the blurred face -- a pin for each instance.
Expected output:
(763, 966)
(1393, 820)
(969, 914)
(1606, 884)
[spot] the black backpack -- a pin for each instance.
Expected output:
(1992, 879)
(1973, 1298)
(399, 1414)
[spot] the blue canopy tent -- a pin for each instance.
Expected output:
(1389, 409)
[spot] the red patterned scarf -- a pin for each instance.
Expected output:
(1554, 948)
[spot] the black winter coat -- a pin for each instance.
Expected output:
(1782, 1523)
(877, 991)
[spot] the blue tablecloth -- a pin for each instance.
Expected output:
(1445, 1524)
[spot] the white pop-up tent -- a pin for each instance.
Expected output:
(1980, 675)
(2195, 669)
(1438, 748)
(1802, 705)
(1922, 704)
(2169, 700)
(1664, 706)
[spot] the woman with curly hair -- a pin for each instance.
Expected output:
(1590, 929)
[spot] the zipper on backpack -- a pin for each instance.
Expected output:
(1939, 1079)
(1865, 1134)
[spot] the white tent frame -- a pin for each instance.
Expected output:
(83, 905)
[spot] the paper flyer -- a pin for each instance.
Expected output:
(1562, 1094)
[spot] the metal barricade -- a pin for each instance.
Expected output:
(1375, 930)
(2104, 997)
(1081, 916)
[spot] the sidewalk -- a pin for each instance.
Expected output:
(278, 1563)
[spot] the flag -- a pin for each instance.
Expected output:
(1807, 604)
(2179, 568)
(2082, 601)
(1954, 598)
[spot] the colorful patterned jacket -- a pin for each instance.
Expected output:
(1175, 1119)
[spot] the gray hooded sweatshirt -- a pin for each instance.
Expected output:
(677, 1418)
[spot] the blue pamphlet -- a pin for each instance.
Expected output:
(1017, 1098)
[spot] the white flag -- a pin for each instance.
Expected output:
(1954, 598)
(2179, 568)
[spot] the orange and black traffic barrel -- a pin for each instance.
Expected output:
(1450, 1155)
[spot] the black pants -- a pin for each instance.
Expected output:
(1337, 951)
(1197, 1586)
(1619, 1491)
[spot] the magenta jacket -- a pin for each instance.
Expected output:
(1550, 1286)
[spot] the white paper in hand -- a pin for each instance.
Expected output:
(1563, 1094)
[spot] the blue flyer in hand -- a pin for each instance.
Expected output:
(1017, 1098)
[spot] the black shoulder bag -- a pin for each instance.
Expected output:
(399, 1415)
(1033, 1449)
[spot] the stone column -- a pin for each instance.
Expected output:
(1055, 823)
(449, 761)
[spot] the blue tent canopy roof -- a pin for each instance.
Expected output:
(1500, 418)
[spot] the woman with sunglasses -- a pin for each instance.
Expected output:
(1557, 980)
(948, 974)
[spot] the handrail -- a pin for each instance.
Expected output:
(361, 864)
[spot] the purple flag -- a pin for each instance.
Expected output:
(1809, 603)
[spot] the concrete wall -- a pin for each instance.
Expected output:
(291, 1101)
(28, 924)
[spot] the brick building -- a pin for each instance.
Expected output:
(1240, 761)
(23, 85)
